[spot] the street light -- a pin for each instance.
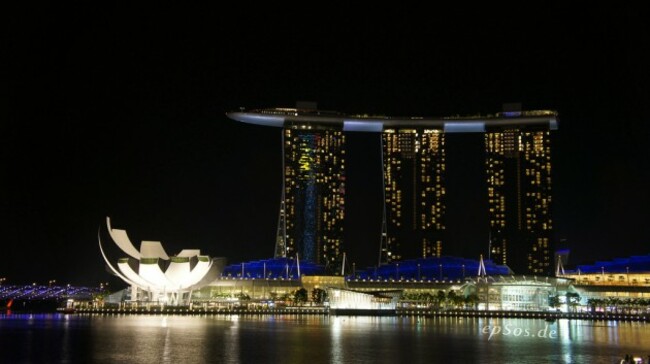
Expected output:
(2, 279)
(440, 269)
(50, 282)
(419, 272)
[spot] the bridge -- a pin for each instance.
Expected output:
(46, 293)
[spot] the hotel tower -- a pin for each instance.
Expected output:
(312, 208)
(518, 171)
(414, 204)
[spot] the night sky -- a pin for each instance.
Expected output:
(107, 115)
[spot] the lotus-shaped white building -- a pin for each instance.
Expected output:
(154, 276)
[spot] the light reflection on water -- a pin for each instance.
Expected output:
(314, 339)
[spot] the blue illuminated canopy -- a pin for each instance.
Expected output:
(286, 268)
(442, 268)
(633, 264)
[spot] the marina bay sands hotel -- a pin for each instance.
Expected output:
(312, 209)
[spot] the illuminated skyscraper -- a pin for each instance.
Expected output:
(313, 206)
(518, 168)
(313, 199)
(414, 166)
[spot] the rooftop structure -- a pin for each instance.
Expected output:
(623, 272)
(635, 263)
(286, 268)
(443, 268)
(285, 117)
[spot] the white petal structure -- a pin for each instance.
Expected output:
(152, 249)
(122, 240)
(158, 276)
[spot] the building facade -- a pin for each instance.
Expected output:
(413, 167)
(518, 171)
(313, 203)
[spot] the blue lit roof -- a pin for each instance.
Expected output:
(443, 268)
(272, 268)
(633, 264)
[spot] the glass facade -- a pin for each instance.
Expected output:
(518, 171)
(414, 210)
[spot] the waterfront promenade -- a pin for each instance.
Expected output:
(299, 310)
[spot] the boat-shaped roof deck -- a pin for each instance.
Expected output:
(287, 117)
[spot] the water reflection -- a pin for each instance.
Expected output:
(314, 339)
(231, 342)
(336, 354)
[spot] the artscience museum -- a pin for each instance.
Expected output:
(155, 276)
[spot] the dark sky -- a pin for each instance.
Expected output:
(104, 115)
